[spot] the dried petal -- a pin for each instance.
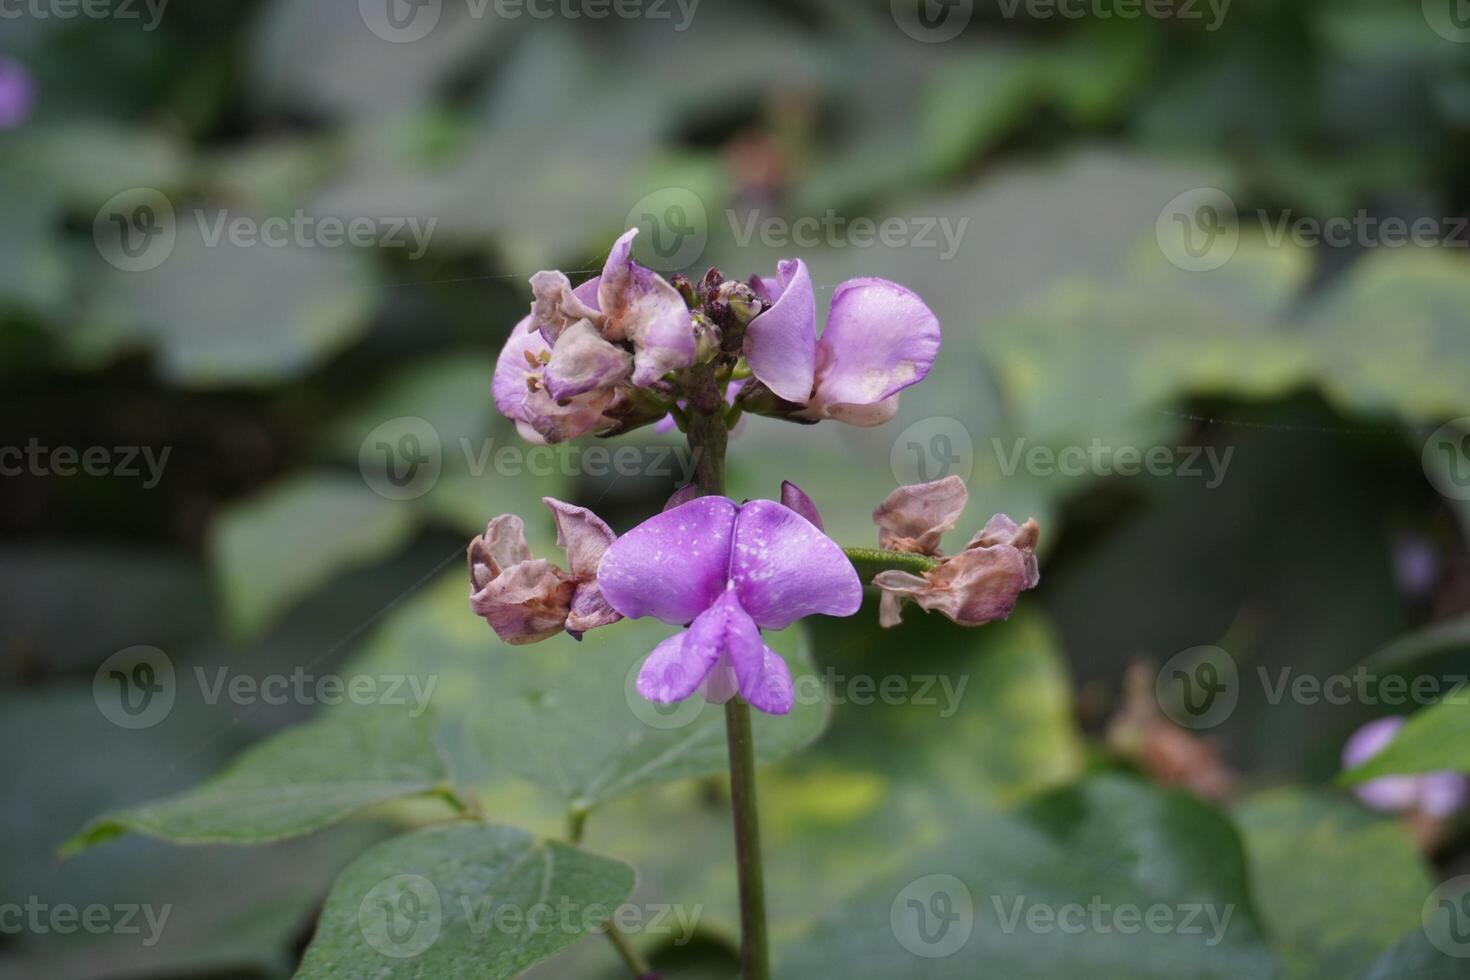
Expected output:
(914, 518)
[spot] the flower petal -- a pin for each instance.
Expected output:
(784, 568)
(512, 369)
(556, 305)
(589, 610)
(527, 602)
(582, 535)
(879, 339)
(781, 343)
(502, 545)
(673, 565)
(976, 586)
(674, 670)
(683, 495)
(794, 497)
(642, 307)
(914, 518)
(759, 673)
(582, 361)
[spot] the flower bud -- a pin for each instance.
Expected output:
(741, 301)
(706, 339)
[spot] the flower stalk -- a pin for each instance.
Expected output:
(708, 435)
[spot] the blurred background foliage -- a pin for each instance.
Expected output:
(531, 143)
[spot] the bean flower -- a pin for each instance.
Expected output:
(728, 571)
(629, 348)
(17, 93)
(976, 586)
(1433, 794)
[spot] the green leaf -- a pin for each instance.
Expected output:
(1334, 884)
(219, 314)
(1435, 739)
(463, 901)
(275, 548)
(293, 783)
(1415, 957)
(565, 715)
(1016, 895)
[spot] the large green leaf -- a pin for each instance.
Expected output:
(293, 783)
(1416, 957)
(564, 715)
(1334, 884)
(273, 549)
(1063, 886)
(467, 900)
(1437, 738)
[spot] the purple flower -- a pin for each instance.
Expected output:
(728, 571)
(17, 93)
(1434, 794)
(568, 362)
(977, 586)
(880, 338)
(526, 599)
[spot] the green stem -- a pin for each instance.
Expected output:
(576, 825)
(755, 957)
(708, 437)
(871, 561)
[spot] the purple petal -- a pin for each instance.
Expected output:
(1370, 740)
(1391, 793)
(556, 305)
(784, 568)
(581, 361)
(642, 307)
(683, 495)
(673, 565)
(589, 610)
(781, 343)
(727, 630)
(17, 93)
(1442, 794)
(880, 338)
(512, 369)
(675, 669)
(582, 535)
(792, 496)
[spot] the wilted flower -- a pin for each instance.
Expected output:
(526, 599)
(1431, 794)
(569, 361)
(976, 586)
(727, 571)
(17, 93)
(879, 339)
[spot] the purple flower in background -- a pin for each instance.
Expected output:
(1434, 794)
(17, 93)
(728, 571)
(879, 339)
(526, 599)
(569, 360)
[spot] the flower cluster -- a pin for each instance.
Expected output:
(1436, 795)
(625, 348)
(629, 348)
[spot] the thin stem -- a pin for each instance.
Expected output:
(708, 435)
(755, 957)
(576, 825)
(871, 561)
